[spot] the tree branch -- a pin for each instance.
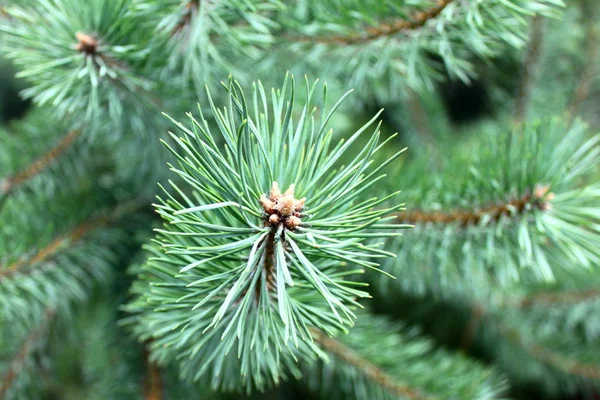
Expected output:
(536, 351)
(7, 185)
(25, 351)
(539, 201)
(550, 358)
(566, 297)
(153, 386)
(417, 20)
(68, 239)
(586, 79)
(367, 368)
(529, 69)
(470, 332)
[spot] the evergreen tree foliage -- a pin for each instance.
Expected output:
(186, 211)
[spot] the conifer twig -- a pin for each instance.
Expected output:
(582, 90)
(73, 236)
(537, 351)
(549, 357)
(7, 185)
(470, 332)
(25, 350)
(529, 69)
(153, 386)
(540, 201)
(416, 21)
(566, 297)
(367, 368)
(419, 115)
(190, 8)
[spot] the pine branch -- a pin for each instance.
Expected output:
(562, 298)
(367, 368)
(550, 358)
(153, 387)
(380, 359)
(96, 57)
(46, 253)
(483, 320)
(190, 9)
(549, 225)
(246, 254)
(540, 201)
(421, 121)
(24, 353)
(8, 184)
(66, 240)
(416, 21)
(529, 69)
(469, 334)
(587, 75)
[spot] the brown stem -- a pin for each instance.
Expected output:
(537, 351)
(367, 368)
(470, 332)
(47, 252)
(268, 265)
(566, 297)
(417, 20)
(420, 117)
(190, 9)
(586, 79)
(550, 358)
(539, 200)
(7, 185)
(68, 239)
(529, 69)
(25, 351)
(153, 385)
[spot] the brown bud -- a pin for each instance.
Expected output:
(275, 192)
(292, 222)
(86, 43)
(285, 205)
(540, 191)
(274, 219)
(290, 190)
(299, 204)
(267, 204)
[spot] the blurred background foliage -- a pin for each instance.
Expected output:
(514, 333)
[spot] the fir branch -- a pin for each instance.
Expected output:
(8, 184)
(416, 21)
(367, 368)
(27, 347)
(540, 200)
(529, 69)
